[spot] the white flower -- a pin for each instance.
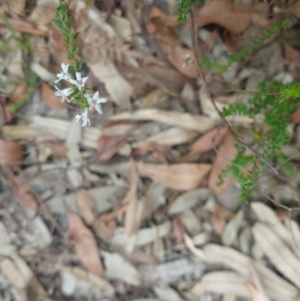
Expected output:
(64, 74)
(79, 82)
(84, 116)
(63, 93)
(95, 101)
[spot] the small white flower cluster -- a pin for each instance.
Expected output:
(93, 101)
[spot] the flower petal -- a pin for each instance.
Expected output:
(98, 109)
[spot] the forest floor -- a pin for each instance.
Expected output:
(129, 208)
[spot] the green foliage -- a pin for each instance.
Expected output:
(276, 101)
(184, 8)
(276, 28)
(64, 24)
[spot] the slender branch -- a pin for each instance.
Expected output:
(207, 91)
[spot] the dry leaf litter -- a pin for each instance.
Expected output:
(128, 208)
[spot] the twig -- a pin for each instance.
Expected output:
(207, 91)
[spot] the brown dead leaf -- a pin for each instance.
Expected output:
(18, 93)
(50, 99)
(295, 117)
(35, 291)
(209, 140)
(58, 150)
(163, 19)
(85, 244)
(234, 17)
(226, 153)
(183, 60)
(11, 153)
(131, 199)
(183, 176)
(197, 123)
(158, 149)
(108, 146)
(294, 7)
(5, 114)
(11, 272)
(16, 96)
(86, 206)
(102, 230)
(25, 196)
(218, 223)
(230, 232)
(188, 200)
(172, 136)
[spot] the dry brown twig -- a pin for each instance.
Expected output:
(224, 122)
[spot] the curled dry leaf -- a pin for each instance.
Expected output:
(85, 244)
(234, 17)
(226, 153)
(11, 153)
(183, 176)
(187, 121)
